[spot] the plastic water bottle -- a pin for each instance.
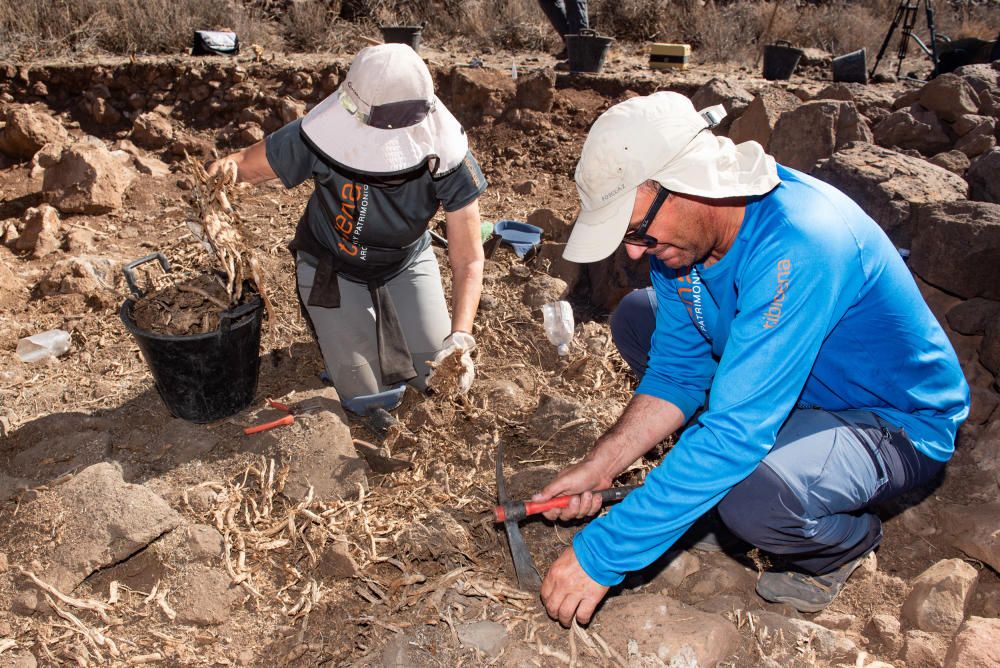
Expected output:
(513, 69)
(558, 320)
(36, 347)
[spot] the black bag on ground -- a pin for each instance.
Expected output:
(215, 43)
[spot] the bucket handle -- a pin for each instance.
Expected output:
(587, 32)
(226, 318)
(129, 270)
(782, 42)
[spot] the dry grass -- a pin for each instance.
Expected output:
(719, 31)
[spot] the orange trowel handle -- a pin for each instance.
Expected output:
(518, 510)
(285, 419)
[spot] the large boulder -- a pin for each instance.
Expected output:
(888, 185)
(758, 121)
(660, 627)
(980, 138)
(103, 520)
(88, 178)
(977, 644)
(732, 97)
(40, 233)
(814, 131)
(975, 530)
(536, 90)
(940, 595)
(475, 93)
(26, 131)
(152, 130)
(949, 96)
(956, 246)
(914, 128)
(984, 186)
(989, 349)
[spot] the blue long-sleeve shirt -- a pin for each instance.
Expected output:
(812, 305)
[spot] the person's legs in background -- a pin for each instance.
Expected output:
(555, 10)
(576, 16)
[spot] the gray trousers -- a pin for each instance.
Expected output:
(346, 335)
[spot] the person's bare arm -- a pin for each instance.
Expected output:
(465, 253)
(251, 164)
(646, 421)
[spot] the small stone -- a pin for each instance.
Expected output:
(683, 565)
(488, 637)
(524, 187)
(336, 563)
(885, 632)
(834, 620)
(201, 499)
(204, 542)
(245, 658)
(923, 650)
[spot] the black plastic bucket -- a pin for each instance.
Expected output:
(586, 51)
(409, 35)
(780, 60)
(851, 67)
(203, 377)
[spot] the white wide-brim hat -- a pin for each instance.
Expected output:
(382, 82)
(658, 137)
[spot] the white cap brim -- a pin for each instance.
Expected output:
(597, 233)
(344, 139)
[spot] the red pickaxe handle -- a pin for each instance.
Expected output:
(283, 420)
(518, 510)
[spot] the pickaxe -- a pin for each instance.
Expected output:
(511, 512)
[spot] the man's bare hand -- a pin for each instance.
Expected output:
(568, 591)
(578, 480)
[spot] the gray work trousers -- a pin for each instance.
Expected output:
(346, 335)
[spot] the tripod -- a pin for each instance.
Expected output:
(906, 14)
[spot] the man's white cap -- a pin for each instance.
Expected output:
(385, 118)
(659, 137)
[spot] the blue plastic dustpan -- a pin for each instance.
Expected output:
(522, 237)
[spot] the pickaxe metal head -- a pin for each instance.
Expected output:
(524, 568)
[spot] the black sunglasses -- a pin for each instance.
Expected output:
(638, 236)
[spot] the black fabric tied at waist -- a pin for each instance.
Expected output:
(395, 361)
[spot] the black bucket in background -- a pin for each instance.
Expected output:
(409, 35)
(851, 67)
(780, 60)
(205, 377)
(586, 51)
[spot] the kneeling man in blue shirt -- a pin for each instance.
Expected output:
(783, 328)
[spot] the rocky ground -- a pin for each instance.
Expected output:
(128, 536)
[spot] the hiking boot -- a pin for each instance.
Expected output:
(806, 593)
(379, 421)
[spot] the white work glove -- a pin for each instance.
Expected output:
(462, 343)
